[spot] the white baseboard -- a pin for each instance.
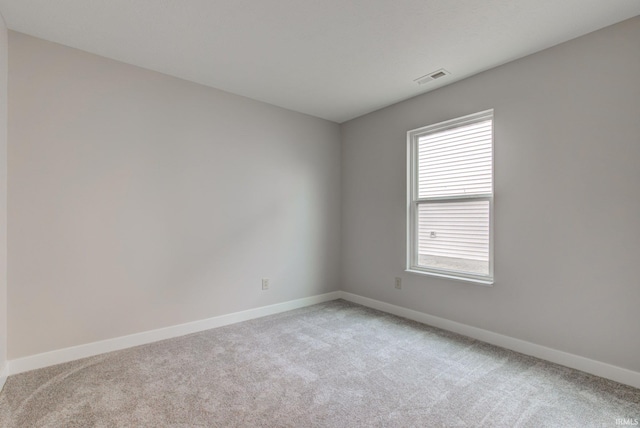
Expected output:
(3, 376)
(59, 356)
(597, 368)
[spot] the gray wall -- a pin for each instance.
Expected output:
(139, 201)
(567, 199)
(4, 54)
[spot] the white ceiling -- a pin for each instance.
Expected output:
(335, 59)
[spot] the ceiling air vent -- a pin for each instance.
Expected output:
(432, 76)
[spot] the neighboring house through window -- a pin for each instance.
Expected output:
(450, 198)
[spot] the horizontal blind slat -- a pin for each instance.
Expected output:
(425, 154)
(476, 140)
(456, 132)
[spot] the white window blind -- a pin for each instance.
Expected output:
(451, 198)
(455, 161)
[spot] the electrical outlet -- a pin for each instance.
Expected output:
(265, 283)
(398, 283)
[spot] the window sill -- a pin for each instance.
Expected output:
(488, 282)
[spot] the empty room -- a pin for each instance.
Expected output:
(319, 213)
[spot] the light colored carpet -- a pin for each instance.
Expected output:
(336, 364)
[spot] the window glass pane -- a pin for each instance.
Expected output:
(454, 236)
(455, 161)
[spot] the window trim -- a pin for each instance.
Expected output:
(413, 200)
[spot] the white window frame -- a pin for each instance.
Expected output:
(413, 200)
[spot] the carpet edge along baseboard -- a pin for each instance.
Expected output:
(598, 368)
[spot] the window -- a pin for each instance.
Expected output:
(450, 198)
